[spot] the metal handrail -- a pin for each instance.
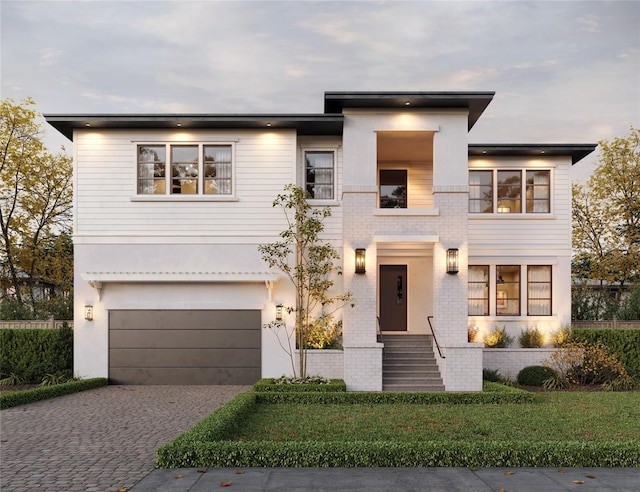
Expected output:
(429, 318)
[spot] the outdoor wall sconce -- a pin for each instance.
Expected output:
(452, 261)
(88, 312)
(361, 260)
(278, 312)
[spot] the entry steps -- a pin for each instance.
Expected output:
(409, 364)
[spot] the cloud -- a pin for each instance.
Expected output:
(589, 23)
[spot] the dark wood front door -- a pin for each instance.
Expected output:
(393, 297)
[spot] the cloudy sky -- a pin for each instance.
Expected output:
(563, 71)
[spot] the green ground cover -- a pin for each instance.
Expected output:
(488, 429)
(557, 416)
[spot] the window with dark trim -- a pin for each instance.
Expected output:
(539, 290)
(320, 173)
(393, 188)
(478, 290)
(480, 191)
(192, 169)
(513, 191)
(508, 290)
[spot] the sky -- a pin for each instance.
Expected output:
(563, 71)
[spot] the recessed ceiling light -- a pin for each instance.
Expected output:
(407, 103)
(542, 151)
(484, 151)
(87, 124)
(268, 124)
(178, 124)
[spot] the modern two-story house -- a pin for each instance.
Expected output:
(170, 210)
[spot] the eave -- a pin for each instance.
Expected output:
(576, 151)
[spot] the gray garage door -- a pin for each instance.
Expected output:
(184, 347)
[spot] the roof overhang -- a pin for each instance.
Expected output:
(303, 124)
(474, 102)
(576, 151)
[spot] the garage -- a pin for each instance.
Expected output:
(184, 346)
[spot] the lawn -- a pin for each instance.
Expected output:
(557, 416)
(411, 429)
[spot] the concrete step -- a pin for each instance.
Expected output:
(412, 387)
(409, 364)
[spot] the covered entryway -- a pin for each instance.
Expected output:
(393, 297)
(184, 346)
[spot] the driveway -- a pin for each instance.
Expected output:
(98, 440)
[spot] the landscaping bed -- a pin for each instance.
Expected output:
(10, 399)
(509, 427)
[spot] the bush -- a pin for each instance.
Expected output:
(492, 375)
(13, 398)
(270, 385)
(498, 338)
(561, 337)
(531, 338)
(623, 343)
(535, 375)
(31, 354)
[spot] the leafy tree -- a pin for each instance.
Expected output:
(606, 216)
(309, 264)
(35, 205)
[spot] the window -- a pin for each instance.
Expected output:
(481, 191)
(478, 292)
(508, 290)
(319, 171)
(538, 192)
(393, 189)
(195, 169)
(510, 192)
(539, 290)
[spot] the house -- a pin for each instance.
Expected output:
(170, 210)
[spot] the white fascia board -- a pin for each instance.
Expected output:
(105, 277)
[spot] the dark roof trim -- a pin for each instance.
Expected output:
(576, 151)
(475, 102)
(304, 124)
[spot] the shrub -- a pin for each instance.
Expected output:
(531, 338)
(13, 398)
(31, 354)
(492, 375)
(580, 363)
(498, 338)
(535, 375)
(561, 337)
(472, 334)
(293, 385)
(623, 343)
(324, 333)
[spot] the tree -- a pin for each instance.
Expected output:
(35, 202)
(309, 264)
(606, 216)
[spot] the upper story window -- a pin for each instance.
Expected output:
(192, 169)
(510, 191)
(393, 188)
(320, 174)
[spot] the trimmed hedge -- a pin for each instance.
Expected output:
(624, 343)
(31, 354)
(391, 454)
(535, 375)
(14, 398)
(269, 385)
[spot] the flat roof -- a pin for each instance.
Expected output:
(304, 124)
(576, 151)
(475, 102)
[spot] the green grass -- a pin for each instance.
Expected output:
(557, 416)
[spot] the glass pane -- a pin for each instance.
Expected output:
(539, 290)
(508, 290)
(151, 169)
(319, 174)
(509, 192)
(538, 192)
(393, 189)
(478, 291)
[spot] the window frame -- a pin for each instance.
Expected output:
(506, 299)
(487, 285)
(168, 194)
(524, 187)
(406, 187)
(549, 283)
(334, 187)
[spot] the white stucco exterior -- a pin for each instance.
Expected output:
(200, 252)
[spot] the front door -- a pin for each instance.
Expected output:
(393, 297)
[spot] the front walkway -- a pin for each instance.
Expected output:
(98, 440)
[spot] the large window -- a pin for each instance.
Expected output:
(508, 290)
(539, 290)
(478, 290)
(510, 191)
(193, 169)
(320, 174)
(393, 188)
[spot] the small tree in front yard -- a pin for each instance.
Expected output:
(309, 263)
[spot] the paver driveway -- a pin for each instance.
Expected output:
(98, 440)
